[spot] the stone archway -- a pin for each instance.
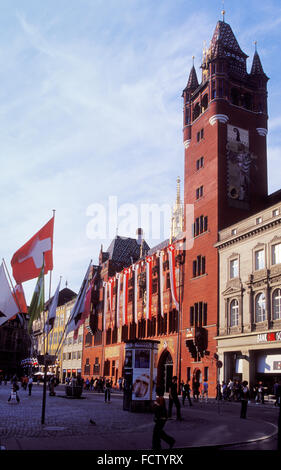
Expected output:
(165, 371)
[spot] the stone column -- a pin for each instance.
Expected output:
(246, 365)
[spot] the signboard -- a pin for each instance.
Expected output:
(268, 364)
(268, 337)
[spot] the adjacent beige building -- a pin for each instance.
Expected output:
(249, 331)
(71, 349)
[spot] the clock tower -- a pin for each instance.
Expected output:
(224, 134)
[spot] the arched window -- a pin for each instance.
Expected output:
(196, 111)
(234, 312)
(204, 102)
(260, 308)
(276, 304)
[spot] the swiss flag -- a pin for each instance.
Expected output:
(27, 261)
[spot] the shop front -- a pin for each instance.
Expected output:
(255, 357)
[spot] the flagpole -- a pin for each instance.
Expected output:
(45, 364)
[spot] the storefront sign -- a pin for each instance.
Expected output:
(269, 364)
(268, 337)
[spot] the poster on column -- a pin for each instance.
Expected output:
(144, 377)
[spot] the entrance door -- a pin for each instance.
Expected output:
(165, 371)
(168, 376)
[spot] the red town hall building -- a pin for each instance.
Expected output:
(224, 134)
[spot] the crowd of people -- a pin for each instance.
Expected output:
(232, 390)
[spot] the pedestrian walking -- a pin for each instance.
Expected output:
(230, 390)
(30, 383)
(219, 393)
(14, 393)
(174, 399)
(160, 419)
(196, 389)
(245, 397)
(205, 390)
(107, 391)
(52, 385)
(92, 384)
(260, 393)
(186, 393)
(277, 391)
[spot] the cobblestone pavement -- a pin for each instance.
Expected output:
(67, 423)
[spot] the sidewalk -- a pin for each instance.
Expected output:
(67, 425)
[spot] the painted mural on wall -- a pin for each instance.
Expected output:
(239, 162)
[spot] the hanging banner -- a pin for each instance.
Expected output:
(126, 273)
(161, 283)
(104, 304)
(148, 260)
(118, 279)
(111, 287)
(172, 268)
(135, 268)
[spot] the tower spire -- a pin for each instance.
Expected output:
(223, 11)
(177, 214)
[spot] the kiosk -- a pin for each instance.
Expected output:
(140, 374)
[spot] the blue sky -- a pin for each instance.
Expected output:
(91, 107)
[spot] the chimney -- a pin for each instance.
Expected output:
(139, 233)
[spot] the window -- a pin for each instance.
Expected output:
(214, 94)
(198, 314)
(258, 220)
(276, 253)
(234, 268)
(234, 312)
(259, 260)
(260, 308)
(199, 192)
(275, 212)
(113, 368)
(200, 225)
(199, 163)
(200, 134)
(234, 231)
(276, 304)
(199, 266)
(206, 373)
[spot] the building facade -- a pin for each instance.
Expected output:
(224, 133)
(249, 339)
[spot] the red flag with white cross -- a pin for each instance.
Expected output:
(27, 261)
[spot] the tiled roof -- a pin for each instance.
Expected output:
(192, 83)
(256, 65)
(122, 249)
(224, 43)
(65, 296)
(159, 247)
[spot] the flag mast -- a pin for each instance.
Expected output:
(46, 340)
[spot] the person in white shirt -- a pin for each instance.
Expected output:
(30, 383)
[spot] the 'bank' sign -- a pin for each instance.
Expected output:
(268, 337)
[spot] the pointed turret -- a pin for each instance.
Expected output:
(257, 68)
(192, 83)
(224, 44)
